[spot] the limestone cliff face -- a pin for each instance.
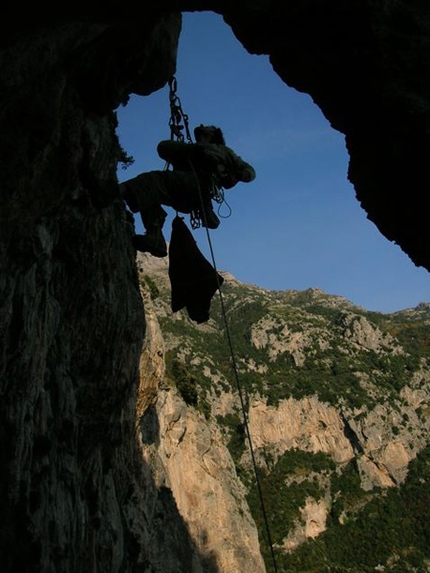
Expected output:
(382, 457)
(187, 452)
(307, 424)
(71, 314)
(188, 457)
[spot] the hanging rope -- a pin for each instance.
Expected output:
(178, 123)
(241, 398)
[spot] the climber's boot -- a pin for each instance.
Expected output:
(152, 242)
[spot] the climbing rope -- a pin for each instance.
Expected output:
(178, 123)
(243, 407)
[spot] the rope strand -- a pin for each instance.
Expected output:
(242, 403)
(236, 376)
(176, 132)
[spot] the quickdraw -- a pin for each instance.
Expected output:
(178, 119)
(178, 124)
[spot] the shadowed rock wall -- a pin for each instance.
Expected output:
(75, 494)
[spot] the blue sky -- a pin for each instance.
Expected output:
(298, 225)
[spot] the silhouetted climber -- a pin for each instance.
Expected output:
(198, 170)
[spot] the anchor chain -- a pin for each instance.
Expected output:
(178, 123)
(178, 119)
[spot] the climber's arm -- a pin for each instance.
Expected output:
(230, 168)
(177, 153)
(245, 171)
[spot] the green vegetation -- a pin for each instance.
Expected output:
(237, 442)
(415, 338)
(153, 289)
(184, 380)
(335, 374)
(392, 528)
(364, 528)
(285, 489)
(346, 493)
(125, 159)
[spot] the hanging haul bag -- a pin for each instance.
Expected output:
(193, 279)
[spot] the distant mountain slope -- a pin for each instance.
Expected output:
(337, 405)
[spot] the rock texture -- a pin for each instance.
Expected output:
(74, 491)
(187, 456)
(313, 518)
(379, 438)
(192, 462)
(71, 315)
(306, 424)
(365, 65)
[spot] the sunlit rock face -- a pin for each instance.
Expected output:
(75, 493)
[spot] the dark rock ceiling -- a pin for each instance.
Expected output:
(364, 63)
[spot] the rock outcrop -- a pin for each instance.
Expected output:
(306, 424)
(71, 314)
(377, 440)
(187, 456)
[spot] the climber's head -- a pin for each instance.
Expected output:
(209, 134)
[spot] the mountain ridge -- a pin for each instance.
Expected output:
(335, 397)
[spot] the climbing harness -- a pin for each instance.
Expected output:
(178, 123)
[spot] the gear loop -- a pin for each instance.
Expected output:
(217, 193)
(195, 220)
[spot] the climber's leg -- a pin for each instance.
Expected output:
(145, 194)
(153, 240)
